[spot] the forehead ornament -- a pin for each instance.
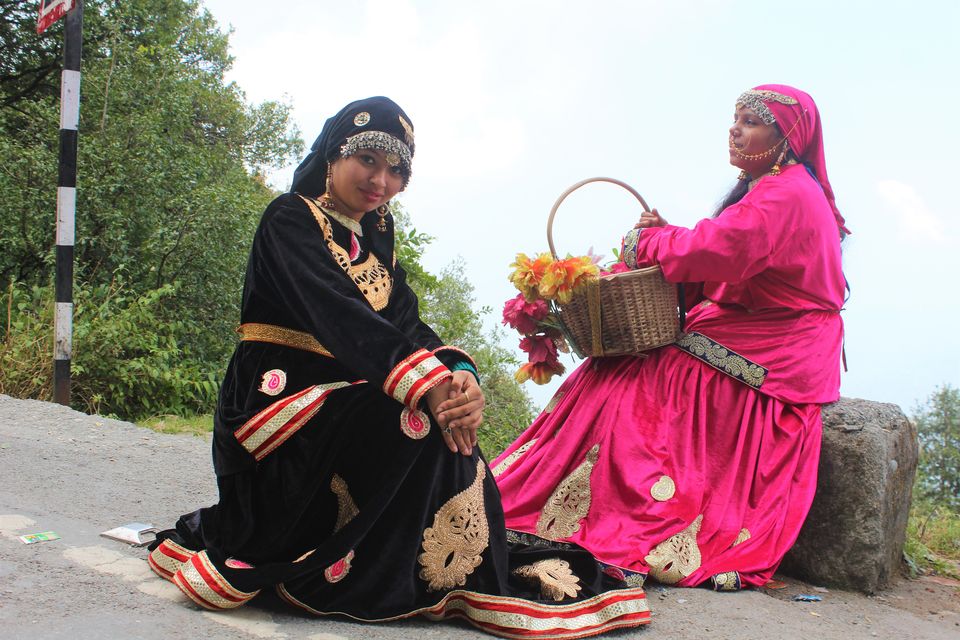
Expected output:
(395, 151)
(754, 100)
(361, 119)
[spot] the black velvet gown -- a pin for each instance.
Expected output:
(336, 488)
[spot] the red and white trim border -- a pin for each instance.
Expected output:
(273, 426)
(522, 619)
(414, 376)
(167, 558)
(201, 582)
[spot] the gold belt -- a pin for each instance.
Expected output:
(257, 332)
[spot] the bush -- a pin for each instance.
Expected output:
(126, 362)
(933, 540)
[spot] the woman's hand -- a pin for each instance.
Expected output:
(650, 219)
(458, 410)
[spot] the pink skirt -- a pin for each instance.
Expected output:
(664, 466)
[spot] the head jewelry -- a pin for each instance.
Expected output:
(373, 123)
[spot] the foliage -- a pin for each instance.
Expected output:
(170, 189)
(170, 184)
(938, 428)
(933, 540)
(933, 531)
(198, 425)
(26, 352)
(127, 361)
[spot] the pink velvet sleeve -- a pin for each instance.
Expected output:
(730, 248)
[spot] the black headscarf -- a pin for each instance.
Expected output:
(371, 114)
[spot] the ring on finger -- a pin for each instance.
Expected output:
(446, 430)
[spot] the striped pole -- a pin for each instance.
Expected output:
(67, 203)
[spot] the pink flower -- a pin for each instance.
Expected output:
(540, 348)
(616, 267)
(522, 315)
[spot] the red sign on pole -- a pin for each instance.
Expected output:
(51, 11)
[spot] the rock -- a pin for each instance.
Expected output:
(853, 537)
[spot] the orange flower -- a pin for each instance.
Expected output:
(539, 372)
(564, 277)
(528, 272)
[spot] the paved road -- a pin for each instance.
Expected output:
(79, 475)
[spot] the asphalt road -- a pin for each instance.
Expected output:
(78, 475)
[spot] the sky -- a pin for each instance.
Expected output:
(513, 101)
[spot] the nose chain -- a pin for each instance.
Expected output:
(755, 156)
(771, 150)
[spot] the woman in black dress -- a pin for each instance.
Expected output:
(345, 434)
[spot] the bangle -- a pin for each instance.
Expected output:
(463, 365)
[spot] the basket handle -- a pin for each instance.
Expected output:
(563, 196)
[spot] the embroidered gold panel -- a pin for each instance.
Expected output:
(452, 546)
(676, 557)
(513, 457)
(635, 580)
(726, 581)
(722, 359)
(742, 537)
(554, 401)
(259, 332)
(370, 276)
(569, 503)
(346, 508)
(556, 579)
(663, 489)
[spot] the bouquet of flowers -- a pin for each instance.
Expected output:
(544, 282)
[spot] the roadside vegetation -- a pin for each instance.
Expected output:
(171, 168)
(933, 533)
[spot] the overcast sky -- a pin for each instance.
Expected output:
(513, 101)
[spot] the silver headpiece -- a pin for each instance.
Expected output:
(753, 99)
(396, 152)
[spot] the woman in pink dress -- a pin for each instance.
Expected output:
(699, 462)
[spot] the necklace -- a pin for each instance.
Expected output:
(753, 183)
(329, 207)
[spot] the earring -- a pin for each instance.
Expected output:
(743, 175)
(326, 200)
(382, 211)
(775, 170)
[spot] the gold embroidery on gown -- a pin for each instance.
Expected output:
(663, 489)
(346, 507)
(452, 546)
(742, 537)
(726, 581)
(676, 557)
(554, 401)
(569, 503)
(370, 276)
(513, 457)
(556, 579)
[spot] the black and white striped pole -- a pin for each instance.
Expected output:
(67, 203)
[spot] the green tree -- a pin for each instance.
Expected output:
(938, 427)
(170, 184)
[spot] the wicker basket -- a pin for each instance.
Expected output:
(623, 313)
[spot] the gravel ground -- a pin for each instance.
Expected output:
(78, 475)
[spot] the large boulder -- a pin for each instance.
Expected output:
(853, 537)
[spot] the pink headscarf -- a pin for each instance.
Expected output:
(800, 122)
